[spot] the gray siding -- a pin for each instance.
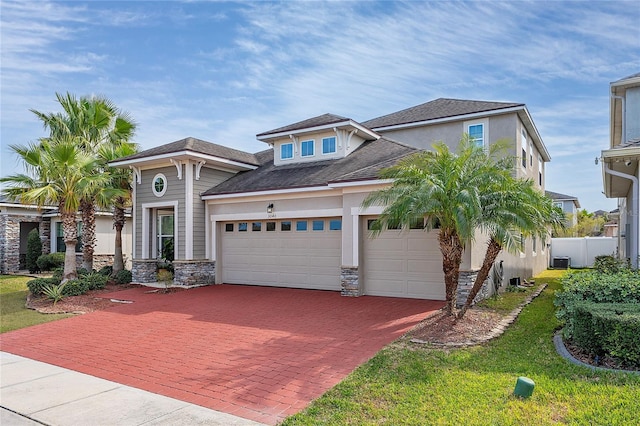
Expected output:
(175, 192)
(208, 179)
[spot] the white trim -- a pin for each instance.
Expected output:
(199, 165)
(188, 207)
(133, 218)
(187, 153)
(266, 192)
(207, 232)
(178, 165)
(361, 183)
(137, 173)
(146, 210)
(292, 214)
(214, 242)
(355, 240)
(165, 184)
(346, 123)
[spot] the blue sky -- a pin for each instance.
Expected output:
(224, 72)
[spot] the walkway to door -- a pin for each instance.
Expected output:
(261, 353)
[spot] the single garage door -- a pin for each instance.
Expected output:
(402, 264)
(304, 253)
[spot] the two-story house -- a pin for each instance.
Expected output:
(291, 215)
(620, 162)
(569, 205)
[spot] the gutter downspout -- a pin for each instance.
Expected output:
(634, 212)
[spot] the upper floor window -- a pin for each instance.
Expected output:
(286, 151)
(531, 154)
(540, 170)
(307, 148)
(524, 149)
(329, 145)
(159, 185)
(476, 133)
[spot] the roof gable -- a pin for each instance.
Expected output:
(192, 145)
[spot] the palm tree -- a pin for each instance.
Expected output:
(58, 173)
(445, 190)
(120, 179)
(93, 122)
(511, 209)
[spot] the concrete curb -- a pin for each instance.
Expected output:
(558, 342)
(498, 330)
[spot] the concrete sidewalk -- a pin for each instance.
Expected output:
(35, 393)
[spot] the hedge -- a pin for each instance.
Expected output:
(49, 262)
(612, 328)
(593, 286)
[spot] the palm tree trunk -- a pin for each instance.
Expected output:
(490, 256)
(88, 210)
(70, 235)
(118, 223)
(451, 249)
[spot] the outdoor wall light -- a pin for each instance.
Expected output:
(270, 208)
(627, 163)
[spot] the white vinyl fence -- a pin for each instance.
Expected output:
(582, 251)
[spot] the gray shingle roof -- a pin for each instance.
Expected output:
(439, 108)
(198, 146)
(558, 196)
(320, 120)
(363, 163)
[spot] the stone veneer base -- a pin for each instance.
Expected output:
(194, 272)
(349, 281)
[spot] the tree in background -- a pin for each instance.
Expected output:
(93, 122)
(588, 225)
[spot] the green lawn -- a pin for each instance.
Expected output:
(408, 384)
(13, 314)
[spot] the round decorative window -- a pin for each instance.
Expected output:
(159, 185)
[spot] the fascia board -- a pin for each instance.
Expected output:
(185, 154)
(349, 123)
(266, 193)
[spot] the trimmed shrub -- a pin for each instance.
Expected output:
(58, 273)
(609, 264)
(37, 286)
(592, 286)
(122, 277)
(611, 328)
(34, 250)
(94, 280)
(75, 288)
(49, 262)
(83, 271)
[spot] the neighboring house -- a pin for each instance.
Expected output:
(569, 205)
(291, 215)
(17, 220)
(611, 227)
(620, 162)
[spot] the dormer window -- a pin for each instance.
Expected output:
(476, 133)
(307, 148)
(329, 145)
(286, 151)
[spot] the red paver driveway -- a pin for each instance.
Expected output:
(261, 353)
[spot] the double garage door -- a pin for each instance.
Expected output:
(306, 253)
(301, 253)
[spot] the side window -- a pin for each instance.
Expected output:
(329, 145)
(524, 149)
(476, 133)
(286, 151)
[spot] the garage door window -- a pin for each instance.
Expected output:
(256, 226)
(285, 225)
(318, 225)
(271, 226)
(242, 227)
(228, 227)
(301, 225)
(335, 225)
